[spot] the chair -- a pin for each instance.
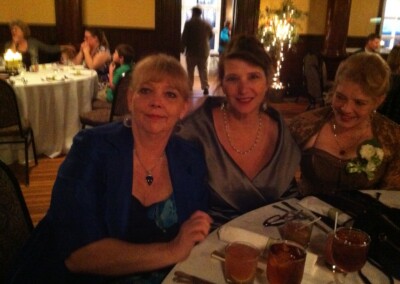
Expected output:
(119, 107)
(15, 222)
(314, 73)
(13, 129)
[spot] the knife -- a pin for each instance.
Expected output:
(183, 277)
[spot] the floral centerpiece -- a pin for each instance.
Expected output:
(370, 156)
(278, 30)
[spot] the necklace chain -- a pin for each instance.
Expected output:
(149, 176)
(226, 127)
(343, 150)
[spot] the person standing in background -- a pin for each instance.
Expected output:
(196, 46)
(225, 36)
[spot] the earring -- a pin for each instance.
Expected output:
(127, 122)
(264, 106)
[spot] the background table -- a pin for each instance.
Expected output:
(52, 100)
(202, 265)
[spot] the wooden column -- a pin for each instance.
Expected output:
(245, 17)
(69, 22)
(337, 25)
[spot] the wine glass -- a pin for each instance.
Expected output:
(349, 250)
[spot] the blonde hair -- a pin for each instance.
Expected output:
(368, 70)
(155, 68)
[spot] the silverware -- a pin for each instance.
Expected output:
(183, 277)
(280, 208)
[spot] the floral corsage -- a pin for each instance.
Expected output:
(370, 156)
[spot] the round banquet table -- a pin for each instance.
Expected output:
(52, 99)
(200, 263)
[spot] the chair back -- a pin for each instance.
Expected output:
(119, 106)
(15, 222)
(313, 75)
(9, 112)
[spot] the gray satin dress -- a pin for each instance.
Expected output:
(232, 192)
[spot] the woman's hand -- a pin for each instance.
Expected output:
(192, 231)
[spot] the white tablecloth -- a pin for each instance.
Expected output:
(202, 265)
(52, 100)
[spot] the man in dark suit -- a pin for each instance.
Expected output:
(195, 43)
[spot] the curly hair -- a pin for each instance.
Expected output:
(22, 25)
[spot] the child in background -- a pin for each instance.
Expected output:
(122, 61)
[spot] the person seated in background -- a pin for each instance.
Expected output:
(372, 44)
(391, 106)
(122, 61)
(348, 145)
(28, 46)
(129, 199)
(250, 154)
(94, 53)
(225, 36)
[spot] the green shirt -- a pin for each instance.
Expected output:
(116, 78)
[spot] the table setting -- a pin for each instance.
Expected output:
(286, 253)
(51, 96)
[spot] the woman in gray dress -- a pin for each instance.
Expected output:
(250, 155)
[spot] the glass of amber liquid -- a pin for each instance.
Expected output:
(285, 263)
(350, 249)
(241, 260)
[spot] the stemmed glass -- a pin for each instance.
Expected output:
(349, 250)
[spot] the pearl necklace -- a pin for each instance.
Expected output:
(226, 124)
(149, 176)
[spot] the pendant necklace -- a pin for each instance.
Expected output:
(226, 127)
(149, 176)
(343, 150)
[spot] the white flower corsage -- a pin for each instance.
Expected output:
(370, 156)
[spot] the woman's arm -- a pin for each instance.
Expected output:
(116, 257)
(98, 60)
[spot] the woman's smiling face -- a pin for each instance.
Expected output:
(245, 85)
(351, 106)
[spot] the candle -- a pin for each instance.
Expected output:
(13, 61)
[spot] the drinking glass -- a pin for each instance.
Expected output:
(241, 260)
(285, 263)
(297, 228)
(349, 250)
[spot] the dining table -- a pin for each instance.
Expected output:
(52, 98)
(201, 264)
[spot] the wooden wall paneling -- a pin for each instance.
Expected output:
(245, 16)
(69, 21)
(168, 26)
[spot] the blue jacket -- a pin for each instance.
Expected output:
(91, 199)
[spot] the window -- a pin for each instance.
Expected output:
(390, 27)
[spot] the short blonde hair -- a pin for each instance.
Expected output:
(155, 68)
(368, 70)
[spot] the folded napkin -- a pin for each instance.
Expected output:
(390, 198)
(318, 206)
(234, 234)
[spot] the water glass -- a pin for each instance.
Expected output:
(241, 260)
(298, 228)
